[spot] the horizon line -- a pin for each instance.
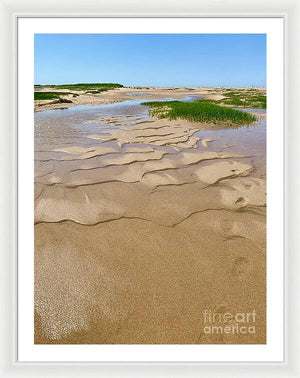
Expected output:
(160, 86)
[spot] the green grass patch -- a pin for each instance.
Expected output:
(93, 92)
(97, 91)
(199, 111)
(248, 98)
(48, 95)
(234, 100)
(247, 102)
(84, 86)
(52, 96)
(257, 102)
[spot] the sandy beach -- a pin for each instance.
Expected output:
(142, 224)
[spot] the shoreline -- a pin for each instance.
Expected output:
(123, 94)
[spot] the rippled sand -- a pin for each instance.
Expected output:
(142, 224)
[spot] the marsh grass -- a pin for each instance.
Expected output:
(93, 92)
(97, 91)
(234, 100)
(199, 111)
(248, 98)
(49, 95)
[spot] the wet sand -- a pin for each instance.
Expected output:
(142, 224)
(123, 94)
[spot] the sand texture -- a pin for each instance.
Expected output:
(142, 224)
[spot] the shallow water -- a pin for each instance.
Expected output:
(138, 94)
(58, 128)
(145, 235)
(249, 140)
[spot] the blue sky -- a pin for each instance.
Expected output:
(151, 59)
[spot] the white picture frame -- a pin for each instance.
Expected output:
(10, 12)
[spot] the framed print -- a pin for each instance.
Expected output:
(150, 199)
(150, 195)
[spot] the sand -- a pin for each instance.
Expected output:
(142, 229)
(122, 94)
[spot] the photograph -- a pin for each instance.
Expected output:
(150, 194)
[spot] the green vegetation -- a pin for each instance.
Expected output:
(234, 100)
(248, 98)
(140, 87)
(48, 95)
(84, 86)
(257, 102)
(96, 91)
(93, 88)
(52, 96)
(199, 111)
(92, 92)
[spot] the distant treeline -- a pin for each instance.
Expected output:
(83, 86)
(92, 88)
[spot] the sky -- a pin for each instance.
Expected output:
(151, 59)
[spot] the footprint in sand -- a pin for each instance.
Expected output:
(243, 191)
(227, 226)
(240, 267)
(240, 202)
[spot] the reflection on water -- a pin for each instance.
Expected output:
(58, 128)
